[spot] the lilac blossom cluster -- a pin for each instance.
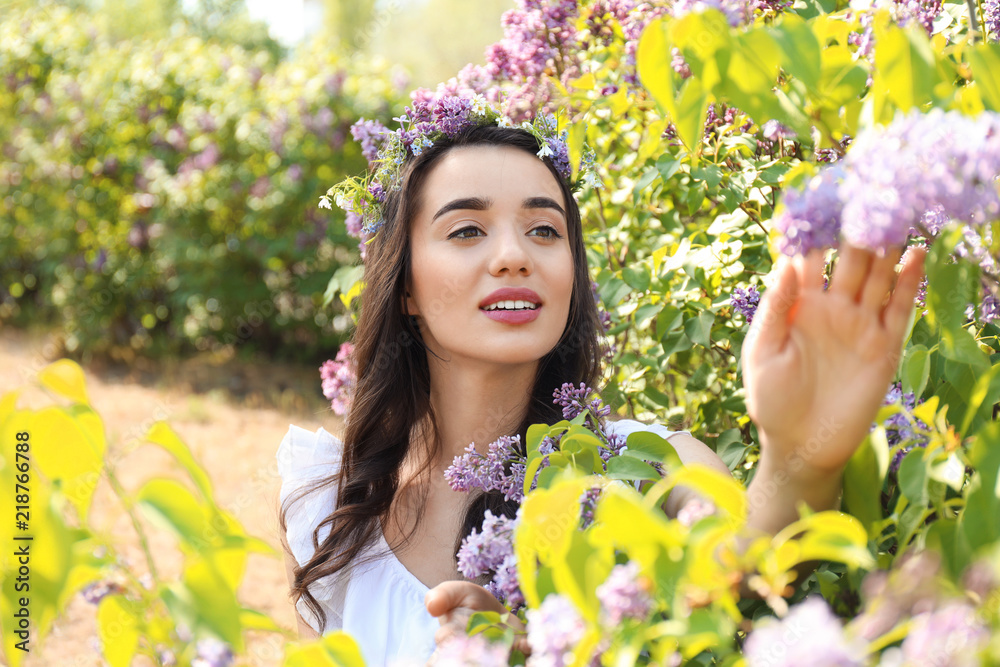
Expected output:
(490, 551)
(892, 176)
(574, 401)
(540, 41)
(212, 652)
(588, 503)
(991, 19)
(338, 379)
(465, 651)
(554, 630)
(903, 430)
(97, 591)
(737, 12)
(625, 594)
(745, 301)
(923, 12)
(501, 469)
(809, 635)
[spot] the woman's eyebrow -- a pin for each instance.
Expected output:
(464, 204)
(543, 202)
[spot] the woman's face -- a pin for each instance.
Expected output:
(491, 266)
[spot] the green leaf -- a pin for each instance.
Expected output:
(984, 58)
(730, 448)
(912, 477)
(800, 49)
(916, 369)
(174, 507)
(699, 328)
(667, 166)
(986, 392)
(863, 480)
(636, 277)
(906, 70)
(630, 468)
(652, 447)
(982, 505)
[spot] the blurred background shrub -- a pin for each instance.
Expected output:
(158, 187)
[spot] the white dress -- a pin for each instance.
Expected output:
(380, 603)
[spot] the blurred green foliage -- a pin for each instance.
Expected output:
(161, 195)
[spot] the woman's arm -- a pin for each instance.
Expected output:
(306, 632)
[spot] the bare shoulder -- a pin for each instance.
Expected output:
(689, 448)
(692, 450)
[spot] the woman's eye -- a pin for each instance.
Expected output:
(465, 233)
(549, 232)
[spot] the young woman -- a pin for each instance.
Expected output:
(477, 305)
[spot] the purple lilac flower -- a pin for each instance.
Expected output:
(624, 594)
(465, 651)
(952, 635)
(484, 551)
(573, 401)
(473, 470)
(491, 552)
(809, 635)
(892, 176)
(772, 130)
(991, 18)
(737, 12)
(540, 41)
(554, 630)
(989, 309)
(97, 591)
(901, 429)
(588, 501)
(616, 443)
(338, 379)
(810, 218)
(745, 301)
(679, 64)
(212, 653)
(369, 133)
(505, 586)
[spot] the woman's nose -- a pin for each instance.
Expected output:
(510, 253)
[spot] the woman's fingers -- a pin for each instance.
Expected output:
(771, 321)
(454, 594)
(880, 277)
(810, 269)
(896, 315)
(849, 275)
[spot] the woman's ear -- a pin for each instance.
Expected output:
(409, 305)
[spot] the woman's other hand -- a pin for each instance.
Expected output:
(817, 363)
(454, 602)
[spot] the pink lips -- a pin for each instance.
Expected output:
(512, 316)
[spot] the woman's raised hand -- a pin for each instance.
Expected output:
(817, 363)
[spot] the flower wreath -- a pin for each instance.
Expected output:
(424, 123)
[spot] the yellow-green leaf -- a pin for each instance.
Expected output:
(65, 377)
(985, 62)
(118, 629)
(164, 436)
(69, 449)
(336, 649)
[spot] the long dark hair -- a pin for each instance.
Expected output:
(392, 393)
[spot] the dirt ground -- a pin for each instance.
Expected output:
(232, 415)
